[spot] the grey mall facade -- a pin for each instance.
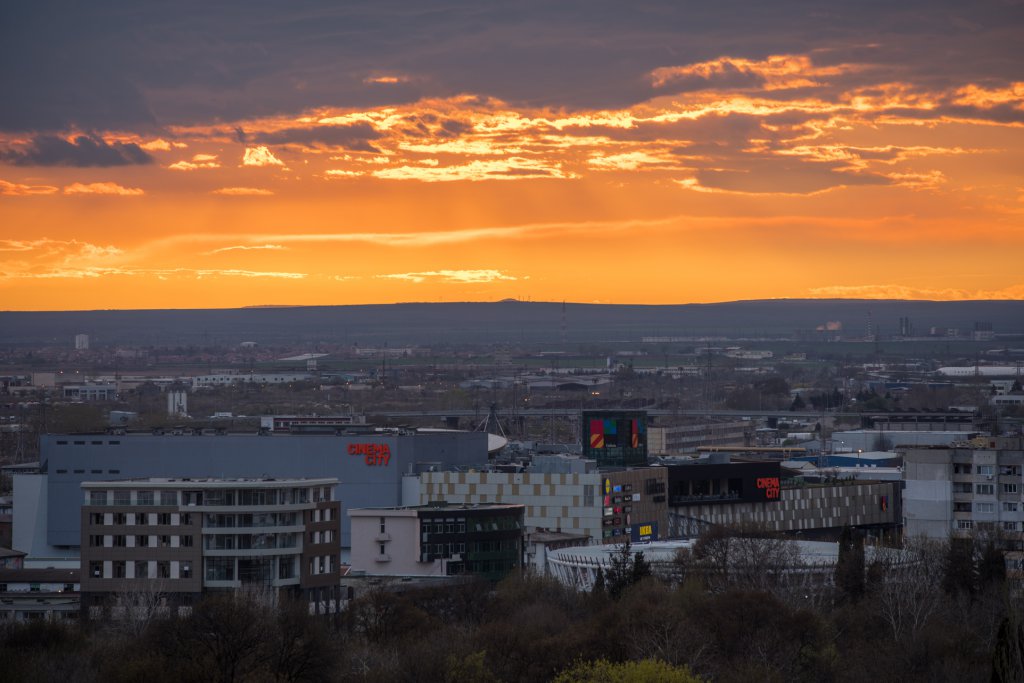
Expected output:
(368, 466)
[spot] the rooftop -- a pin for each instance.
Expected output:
(166, 483)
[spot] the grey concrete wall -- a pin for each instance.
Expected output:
(106, 457)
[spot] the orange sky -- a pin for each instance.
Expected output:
(777, 177)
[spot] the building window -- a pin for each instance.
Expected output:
(1010, 470)
(120, 519)
(383, 526)
(96, 518)
(383, 549)
(961, 468)
(168, 497)
(122, 497)
(97, 498)
(118, 567)
(164, 541)
(95, 541)
(144, 498)
(119, 541)
(96, 569)
(285, 568)
(141, 569)
(964, 524)
(986, 469)
(984, 507)
(1010, 488)
(961, 507)
(163, 569)
(185, 519)
(142, 541)
(1010, 526)
(1010, 507)
(185, 541)
(185, 570)
(163, 519)
(985, 489)
(220, 569)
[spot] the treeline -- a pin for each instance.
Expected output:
(947, 616)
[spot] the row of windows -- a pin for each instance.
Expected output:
(212, 497)
(458, 525)
(322, 564)
(1007, 506)
(327, 515)
(250, 569)
(140, 541)
(94, 443)
(506, 546)
(984, 489)
(438, 550)
(250, 541)
(140, 569)
(438, 526)
(140, 518)
(256, 519)
(127, 497)
(64, 471)
(988, 470)
(969, 524)
(328, 536)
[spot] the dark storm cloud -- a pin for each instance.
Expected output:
(84, 150)
(354, 137)
(123, 64)
(771, 174)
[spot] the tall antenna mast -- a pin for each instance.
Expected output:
(564, 326)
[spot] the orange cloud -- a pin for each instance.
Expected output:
(19, 190)
(244, 247)
(243, 192)
(775, 72)
(260, 156)
(104, 189)
(457, 276)
(386, 80)
(198, 161)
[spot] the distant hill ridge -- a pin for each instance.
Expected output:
(495, 322)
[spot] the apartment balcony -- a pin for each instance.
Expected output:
(385, 557)
(382, 537)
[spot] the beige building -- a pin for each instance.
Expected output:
(553, 502)
(180, 537)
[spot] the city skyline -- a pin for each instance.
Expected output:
(196, 157)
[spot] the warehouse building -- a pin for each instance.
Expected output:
(367, 463)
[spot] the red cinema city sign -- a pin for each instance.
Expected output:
(770, 486)
(373, 453)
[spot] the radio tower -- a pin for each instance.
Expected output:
(564, 326)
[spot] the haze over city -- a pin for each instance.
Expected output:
(189, 156)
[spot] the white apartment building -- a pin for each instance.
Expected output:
(970, 487)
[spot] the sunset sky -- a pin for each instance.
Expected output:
(183, 155)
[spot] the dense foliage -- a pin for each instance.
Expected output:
(711, 626)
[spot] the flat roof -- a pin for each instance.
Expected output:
(164, 483)
(439, 508)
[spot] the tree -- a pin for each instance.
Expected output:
(1008, 658)
(644, 671)
(849, 574)
(798, 403)
(641, 568)
(599, 583)
(959, 570)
